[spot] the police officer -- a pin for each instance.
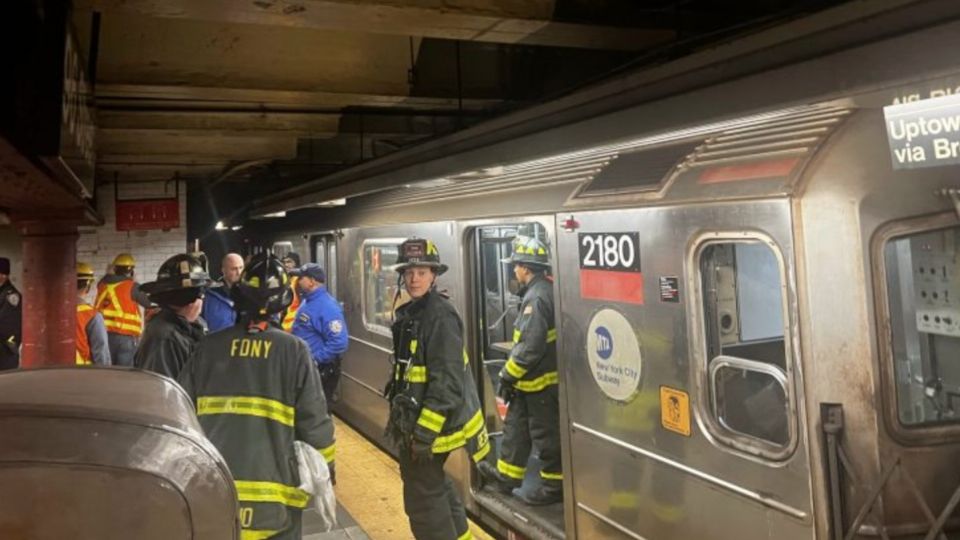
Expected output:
(291, 262)
(434, 408)
(119, 299)
(256, 391)
(218, 309)
(92, 345)
(320, 323)
(528, 382)
(11, 318)
(173, 333)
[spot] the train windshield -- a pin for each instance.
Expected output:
(923, 288)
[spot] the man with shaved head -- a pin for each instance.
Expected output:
(218, 309)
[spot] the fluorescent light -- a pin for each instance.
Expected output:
(236, 227)
(220, 226)
(275, 214)
(332, 202)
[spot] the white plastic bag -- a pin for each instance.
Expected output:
(315, 480)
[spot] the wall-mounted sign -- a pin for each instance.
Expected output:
(614, 354)
(924, 133)
(148, 214)
(610, 267)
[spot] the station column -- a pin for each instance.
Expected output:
(49, 292)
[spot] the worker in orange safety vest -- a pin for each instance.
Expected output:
(92, 345)
(119, 300)
(291, 261)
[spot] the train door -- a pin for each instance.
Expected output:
(683, 387)
(495, 308)
(323, 251)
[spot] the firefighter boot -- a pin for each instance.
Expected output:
(541, 496)
(496, 480)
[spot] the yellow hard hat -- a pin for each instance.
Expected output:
(84, 271)
(124, 259)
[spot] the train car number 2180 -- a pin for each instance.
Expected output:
(619, 252)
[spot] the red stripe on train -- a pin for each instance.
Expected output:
(778, 168)
(613, 286)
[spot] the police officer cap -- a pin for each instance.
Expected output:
(311, 270)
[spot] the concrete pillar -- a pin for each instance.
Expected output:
(49, 293)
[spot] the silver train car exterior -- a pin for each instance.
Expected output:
(757, 321)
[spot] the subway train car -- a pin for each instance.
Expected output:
(758, 312)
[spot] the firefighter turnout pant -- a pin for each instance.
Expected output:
(122, 348)
(430, 500)
(532, 418)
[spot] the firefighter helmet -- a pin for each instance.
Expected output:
(84, 271)
(264, 287)
(181, 279)
(529, 251)
(124, 259)
(419, 252)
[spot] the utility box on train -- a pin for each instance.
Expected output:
(107, 454)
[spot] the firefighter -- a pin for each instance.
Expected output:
(11, 319)
(291, 262)
(256, 391)
(434, 407)
(173, 333)
(119, 299)
(92, 345)
(320, 323)
(528, 382)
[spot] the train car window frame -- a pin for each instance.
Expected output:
(921, 433)
(705, 367)
(373, 326)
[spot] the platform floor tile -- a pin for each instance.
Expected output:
(369, 489)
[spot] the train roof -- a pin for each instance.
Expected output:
(693, 143)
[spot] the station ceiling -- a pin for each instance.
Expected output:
(248, 97)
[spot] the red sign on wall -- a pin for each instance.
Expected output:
(148, 214)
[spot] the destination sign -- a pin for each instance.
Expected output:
(924, 133)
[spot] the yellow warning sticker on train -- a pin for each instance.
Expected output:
(675, 410)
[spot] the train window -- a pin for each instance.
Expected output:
(379, 284)
(746, 362)
(923, 295)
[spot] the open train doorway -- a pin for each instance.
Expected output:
(323, 251)
(495, 305)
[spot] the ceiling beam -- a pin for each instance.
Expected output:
(112, 96)
(525, 22)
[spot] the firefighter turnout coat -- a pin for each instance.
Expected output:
(436, 375)
(256, 391)
(532, 365)
(167, 343)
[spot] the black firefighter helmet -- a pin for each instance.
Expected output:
(181, 279)
(529, 251)
(419, 252)
(264, 287)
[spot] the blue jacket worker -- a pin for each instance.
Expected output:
(218, 308)
(320, 323)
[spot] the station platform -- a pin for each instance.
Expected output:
(369, 495)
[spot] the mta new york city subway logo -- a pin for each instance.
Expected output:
(604, 343)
